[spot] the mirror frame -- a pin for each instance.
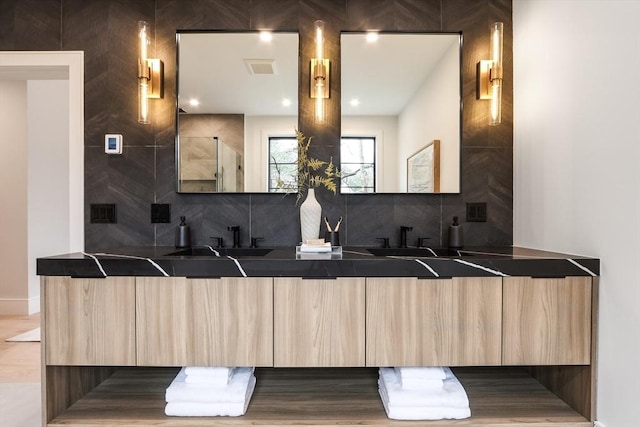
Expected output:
(460, 44)
(177, 100)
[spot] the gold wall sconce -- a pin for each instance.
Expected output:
(150, 75)
(319, 74)
(489, 75)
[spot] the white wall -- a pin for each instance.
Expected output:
(14, 292)
(577, 165)
(48, 175)
(41, 168)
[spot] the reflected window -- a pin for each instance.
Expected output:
(283, 166)
(358, 164)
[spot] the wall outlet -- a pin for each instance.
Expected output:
(477, 212)
(103, 213)
(160, 213)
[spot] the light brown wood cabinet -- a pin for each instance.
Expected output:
(319, 322)
(89, 321)
(204, 322)
(92, 328)
(434, 322)
(546, 321)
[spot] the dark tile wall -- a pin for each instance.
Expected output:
(145, 173)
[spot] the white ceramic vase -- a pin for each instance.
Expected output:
(310, 217)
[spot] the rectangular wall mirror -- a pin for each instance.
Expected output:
(235, 91)
(400, 93)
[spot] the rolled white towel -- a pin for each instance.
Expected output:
(233, 392)
(204, 409)
(396, 412)
(420, 372)
(451, 395)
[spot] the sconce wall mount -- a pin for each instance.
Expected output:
(490, 73)
(150, 75)
(319, 74)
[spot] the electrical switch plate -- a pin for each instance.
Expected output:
(103, 213)
(477, 212)
(160, 213)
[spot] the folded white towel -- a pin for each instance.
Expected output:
(420, 384)
(326, 247)
(203, 409)
(421, 372)
(396, 412)
(210, 371)
(215, 380)
(451, 395)
(233, 392)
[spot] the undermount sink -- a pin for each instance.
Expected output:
(417, 252)
(206, 252)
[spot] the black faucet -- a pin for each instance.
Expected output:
(219, 240)
(236, 235)
(403, 235)
(254, 241)
(385, 242)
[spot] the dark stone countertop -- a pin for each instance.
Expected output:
(284, 262)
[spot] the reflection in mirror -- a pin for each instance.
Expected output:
(235, 91)
(403, 91)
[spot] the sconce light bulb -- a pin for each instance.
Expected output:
(496, 43)
(319, 25)
(143, 35)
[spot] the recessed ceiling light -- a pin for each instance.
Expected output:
(266, 36)
(286, 102)
(372, 36)
(355, 102)
(194, 102)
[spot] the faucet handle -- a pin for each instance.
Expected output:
(220, 241)
(421, 241)
(254, 241)
(385, 241)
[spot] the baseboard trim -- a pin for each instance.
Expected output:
(19, 306)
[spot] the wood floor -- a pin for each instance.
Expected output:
(19, 374)
(19, 361)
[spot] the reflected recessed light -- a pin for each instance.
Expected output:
(194, 102)
(355, 102)
(286, 102)
(266, 36)
(372, 36)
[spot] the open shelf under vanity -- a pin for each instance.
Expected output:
(500, 396)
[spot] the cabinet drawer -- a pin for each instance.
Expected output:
(205, 322)
(547, 321)
(89, 321)
(319, 322)
(434, 322)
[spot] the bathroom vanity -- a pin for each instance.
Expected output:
(517, 326)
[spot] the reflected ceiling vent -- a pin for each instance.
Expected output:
(259, 67)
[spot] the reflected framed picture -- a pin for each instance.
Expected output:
(423, 169)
